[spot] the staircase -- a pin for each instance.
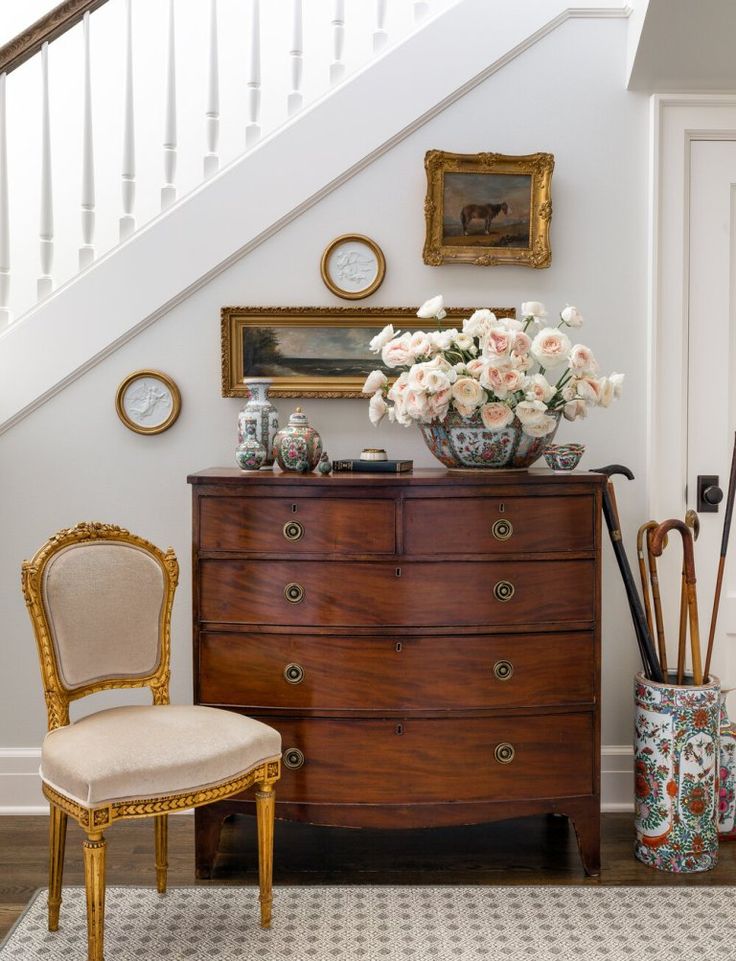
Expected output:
(260, 113)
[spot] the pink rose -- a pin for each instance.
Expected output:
(498, 342)
(582, 360)
(397, 353)
(522, 343)
(495, 415)
(551, 347)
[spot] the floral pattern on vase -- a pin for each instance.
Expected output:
(260, 411)
(250, 454)
(727, 774)
(466, 443)
(298, 446)
(676, 775)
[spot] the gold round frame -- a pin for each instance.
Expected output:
(170, 386)
(380, 264)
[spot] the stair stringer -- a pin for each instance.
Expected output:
(211, 228)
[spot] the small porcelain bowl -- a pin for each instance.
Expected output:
(563, 457)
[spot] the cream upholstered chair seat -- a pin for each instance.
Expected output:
(150, 751)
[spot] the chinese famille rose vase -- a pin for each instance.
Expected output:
(676, 775)
(727, 774)
(297, 447)
(260, 412)
(465, 443)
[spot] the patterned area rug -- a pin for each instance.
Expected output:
(391, 924)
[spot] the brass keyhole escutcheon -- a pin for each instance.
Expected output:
(502, 529)
(294, 673)
(503, 670)
(504, 753)
(293, 531)
(503, 591)
(398, 647)
(293, 758)
(399, 728)
(294, 593)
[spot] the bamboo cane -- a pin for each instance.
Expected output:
(657, 543)
(728, 514)
(657, 602)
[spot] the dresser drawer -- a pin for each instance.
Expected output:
(427, 760)
(496, 525)
(381, 593)
(298, 525)
(330, 673)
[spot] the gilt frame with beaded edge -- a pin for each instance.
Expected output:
(235, 321)
(538, 167)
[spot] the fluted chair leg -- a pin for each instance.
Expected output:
(265, 811)
(94, 880)
(161, 828)
(57, 844)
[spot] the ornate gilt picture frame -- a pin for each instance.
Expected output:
(312, 351)
(488, 209)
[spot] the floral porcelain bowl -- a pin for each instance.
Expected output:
(563, 457)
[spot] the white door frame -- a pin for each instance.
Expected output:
(676, 120)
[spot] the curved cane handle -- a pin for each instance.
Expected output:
(658, 542)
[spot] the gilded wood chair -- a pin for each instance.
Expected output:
(100, 601)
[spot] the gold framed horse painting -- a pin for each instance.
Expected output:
(488, 209)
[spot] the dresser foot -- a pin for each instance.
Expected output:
(586, 818)
(207, 825)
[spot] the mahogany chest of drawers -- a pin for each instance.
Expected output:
(427, 644)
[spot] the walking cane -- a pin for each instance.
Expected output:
(728, 514)
(648, 655)
(656, 620)
(693, 522)
(658, 538)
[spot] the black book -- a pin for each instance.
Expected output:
(372, 466)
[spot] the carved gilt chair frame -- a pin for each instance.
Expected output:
(94, 820)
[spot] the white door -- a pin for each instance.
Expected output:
(711, 384)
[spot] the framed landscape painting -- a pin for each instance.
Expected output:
(488, 209)
(313, 351)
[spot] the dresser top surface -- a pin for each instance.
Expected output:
(420, 477)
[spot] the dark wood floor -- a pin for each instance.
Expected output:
(530, 851)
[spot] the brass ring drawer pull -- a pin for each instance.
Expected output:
(503, 670)
(294, 673)
(504, 753)
(293, 758)
(503, 590)
(294, 593)
(502, 530)
(293, 531)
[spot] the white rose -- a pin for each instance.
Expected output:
(467, 392)
(401, 415)
(442, 339)
(533, 310)
(551, 347)
(479, 323)
(618, 382)
(397, 353)
(464, 341)
(374, 381)
(572, 317)
(495, 415)
(377, 408)
(420, 344)
(498, 341)
(522, 343)
(415, 404)
(380, 340)
(540, 428)
(398, 388)
(589, 389)
(606, 392)
(582, 360)
(476, 366)
(539, 388)
(530, 411)
(434, 307)
(438, 404)
(574, 409)
(460, 368)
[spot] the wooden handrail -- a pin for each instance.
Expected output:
(52, 25)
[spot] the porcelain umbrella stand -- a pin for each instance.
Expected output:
(676, 768)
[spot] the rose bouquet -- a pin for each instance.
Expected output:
(504, 382)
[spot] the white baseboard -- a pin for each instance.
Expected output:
(20, 785)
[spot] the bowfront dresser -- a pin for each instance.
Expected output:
(428, 644)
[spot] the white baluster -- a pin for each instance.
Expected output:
(45, 283)
(87, 250)
(421, 9)
(253, 129)
(168, 191)
(337, 67)
(127, 221)
(295, 100)
(380, 37)
(212, 113)
(5, 316)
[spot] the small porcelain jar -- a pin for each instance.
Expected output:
(297, 447)
(251, 454)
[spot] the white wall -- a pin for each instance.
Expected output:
(73, 460)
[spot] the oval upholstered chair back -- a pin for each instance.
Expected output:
(100, 599)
